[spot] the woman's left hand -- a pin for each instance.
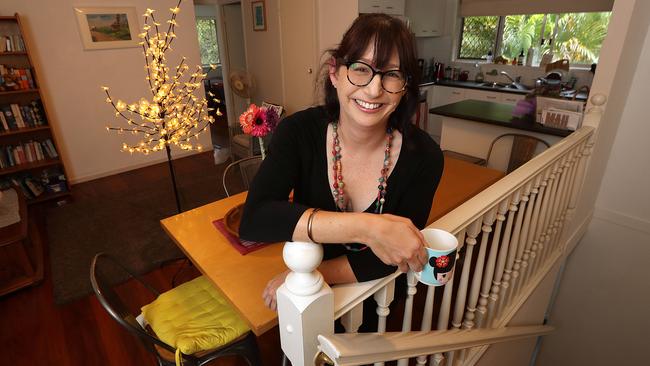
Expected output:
(269, 292)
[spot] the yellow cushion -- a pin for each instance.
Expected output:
(194, 317)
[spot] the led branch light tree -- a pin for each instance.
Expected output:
(173, 115)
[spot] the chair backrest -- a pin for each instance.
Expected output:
(523, 148)
(247, 168)
(104, 269)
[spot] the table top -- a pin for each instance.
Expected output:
(242, 278)
(495, 114)
(460, 182)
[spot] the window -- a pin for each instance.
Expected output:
(207, 31)
(574, 36)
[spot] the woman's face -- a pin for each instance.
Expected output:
(370, 105)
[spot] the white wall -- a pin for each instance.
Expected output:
(70, 78)
(601, 308)
(263, 53)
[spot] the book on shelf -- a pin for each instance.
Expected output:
(11, 43)
(51, 150)
(9, 117)
(16, 116)
(3, 122)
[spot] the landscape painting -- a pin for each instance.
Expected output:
(110, 27)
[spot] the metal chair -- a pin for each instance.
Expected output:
(248, 168)
(524, 148)
(104, 267)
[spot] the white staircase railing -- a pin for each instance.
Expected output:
(510, 236)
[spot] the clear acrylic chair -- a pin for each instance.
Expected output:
(247, 167)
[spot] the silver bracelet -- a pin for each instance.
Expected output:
(309, 225)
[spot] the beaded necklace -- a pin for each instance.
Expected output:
(339, 195)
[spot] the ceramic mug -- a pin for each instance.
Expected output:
(441, 251)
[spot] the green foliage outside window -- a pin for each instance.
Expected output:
(578, 36)
(478, 37)
(207, 31)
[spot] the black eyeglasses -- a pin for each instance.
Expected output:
(361, 74)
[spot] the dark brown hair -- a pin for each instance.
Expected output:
(388, 35)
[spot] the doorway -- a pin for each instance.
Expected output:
(227, 16)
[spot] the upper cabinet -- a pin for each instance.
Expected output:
(395, 7)
(426, 17)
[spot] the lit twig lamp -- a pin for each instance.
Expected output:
(174, 115)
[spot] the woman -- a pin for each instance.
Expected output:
(363, 176)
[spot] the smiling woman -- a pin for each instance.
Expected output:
(363, 177)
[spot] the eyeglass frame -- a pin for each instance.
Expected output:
(376, 72)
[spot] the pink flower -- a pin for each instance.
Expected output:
(258, 121)
(247, 119)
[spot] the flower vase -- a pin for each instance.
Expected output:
(261, 140)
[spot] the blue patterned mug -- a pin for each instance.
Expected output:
(442, 250)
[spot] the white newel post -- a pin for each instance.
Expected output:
(305, 303)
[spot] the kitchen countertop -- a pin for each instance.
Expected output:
(474, 85)
(495, 114)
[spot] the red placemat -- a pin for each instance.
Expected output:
(242, 246)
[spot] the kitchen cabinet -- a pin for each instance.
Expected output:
(426, 17)
(438, 96)
(395, 7)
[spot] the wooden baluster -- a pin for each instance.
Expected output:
(383, 298)
(535, 203)
(574, 161)
(565, 182)
(411, 283)
(501, 261)
(523, 242)
(538, 244)
(472, 232)
(583, 155)
(556, 213)
(445, 310)
(573, 168)
(481, 313)
(512, 252)
(470, 313)
(566, 199)
(427, 317)
(352, 320)
(305, 303)
(468, 323)
(548, 218)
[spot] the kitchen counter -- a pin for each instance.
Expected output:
(494, 114)
(475, 85)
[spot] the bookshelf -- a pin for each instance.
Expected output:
(29, 155)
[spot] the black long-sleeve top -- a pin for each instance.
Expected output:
(297, 159)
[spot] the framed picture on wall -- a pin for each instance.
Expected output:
(259, 16)
(107, 27)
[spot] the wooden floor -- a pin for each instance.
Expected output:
(35, 331)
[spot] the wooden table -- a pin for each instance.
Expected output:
(243, 278)
(460, 182)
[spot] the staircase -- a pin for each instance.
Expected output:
(512, 238)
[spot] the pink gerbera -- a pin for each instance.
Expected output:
(247, 119)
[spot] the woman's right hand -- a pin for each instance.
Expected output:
(396, 241)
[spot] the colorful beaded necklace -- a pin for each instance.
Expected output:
(339, 195)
